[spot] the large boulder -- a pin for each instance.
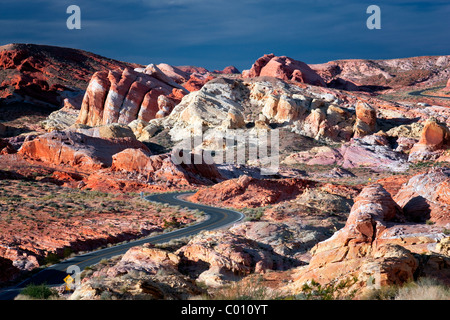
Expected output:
(228, 70)
(432, 140)
(284, 68)
(366, 119)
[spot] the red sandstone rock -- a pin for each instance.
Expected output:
(161, 168)
(353, 250)
(76, 149)
(228, 70)
(176, 74)
(126, 95)
(366, 119)
(40, 73)
(196, 82)
(284, 68)
(91, 112)
(433, 138)
(193, 69)
(250, 192)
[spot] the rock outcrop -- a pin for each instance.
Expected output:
(316, 115)
(6, 147)
(162, 169)
(250, 192)
(197, 81)
(41, 74)
(65, 117)
(284, 68)
(376, 75)
(426, 196)
(220, 256)
(372, 151)
(366, 120)
(174, 73)
(228, 70)
(353, 251)
(121, 96)
(159, 278)
(377, 245)
(77, 149)
(433, 138)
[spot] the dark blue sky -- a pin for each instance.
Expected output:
(218, 33)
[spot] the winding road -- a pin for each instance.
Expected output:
(420, 93)
(54, 275)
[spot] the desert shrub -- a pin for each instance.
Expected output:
(384, 293)
(253, 214)
(40, 291)
(51, 258)
(336, 290)
(245, 290)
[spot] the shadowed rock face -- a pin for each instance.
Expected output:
(121, 96)
(426, 197)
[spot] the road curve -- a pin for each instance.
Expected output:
(54, 275)
(420, 93)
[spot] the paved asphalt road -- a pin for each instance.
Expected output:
(54, 275)
(420, 93)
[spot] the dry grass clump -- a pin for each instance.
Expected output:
(424, 289)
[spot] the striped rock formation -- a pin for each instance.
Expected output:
(121, 96)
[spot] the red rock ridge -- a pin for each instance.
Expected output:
(284, 68)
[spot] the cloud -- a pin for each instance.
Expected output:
(216, 33)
